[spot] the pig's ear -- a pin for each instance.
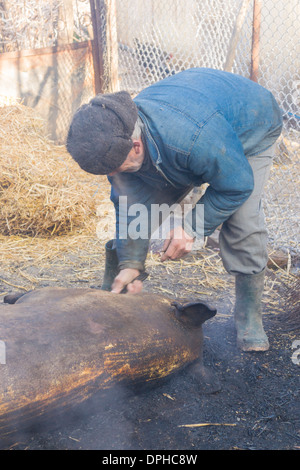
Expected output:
(12, 298)
(193, 314)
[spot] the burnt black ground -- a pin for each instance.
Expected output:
(257, 407)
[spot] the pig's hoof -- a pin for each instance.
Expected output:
(207, 381)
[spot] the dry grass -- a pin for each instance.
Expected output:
(43, 192)
(55, 219)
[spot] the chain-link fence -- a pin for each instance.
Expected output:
(34, 24)
(141, 42)
(258, 39)
(46, 57)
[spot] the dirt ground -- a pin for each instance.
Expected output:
(257, 406)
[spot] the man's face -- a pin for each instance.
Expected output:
(133, 161)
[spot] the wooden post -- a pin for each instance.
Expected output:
(98, 7)
(255, 40)
(112, 47)
(235, 35)
(65, 16)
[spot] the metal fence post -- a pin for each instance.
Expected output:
(98, 7)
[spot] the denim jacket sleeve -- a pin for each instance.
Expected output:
(218, 158)
(131, 252)
(133, 198)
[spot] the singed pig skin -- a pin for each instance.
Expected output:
(63, 345)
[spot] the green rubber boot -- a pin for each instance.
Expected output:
(248, 313)
(111, 266)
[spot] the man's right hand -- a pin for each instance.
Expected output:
(124, 279)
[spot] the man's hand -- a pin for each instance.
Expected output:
(124, 279)
(178, 244)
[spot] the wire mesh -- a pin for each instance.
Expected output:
(156, 39)
(43, 23)
(145, 41)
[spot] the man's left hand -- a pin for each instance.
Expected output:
(177, 244)
(124, 279)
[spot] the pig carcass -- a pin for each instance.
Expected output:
(63, 345)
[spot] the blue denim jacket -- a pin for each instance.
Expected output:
(200, 126)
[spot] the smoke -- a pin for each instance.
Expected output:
(100, 422)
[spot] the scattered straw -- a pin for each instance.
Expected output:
(199, 425)
(43, 192)
(58, 219)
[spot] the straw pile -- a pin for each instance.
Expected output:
(43, 192)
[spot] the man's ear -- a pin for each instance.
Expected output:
(137, 146)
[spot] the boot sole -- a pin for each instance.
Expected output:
(253, 347)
